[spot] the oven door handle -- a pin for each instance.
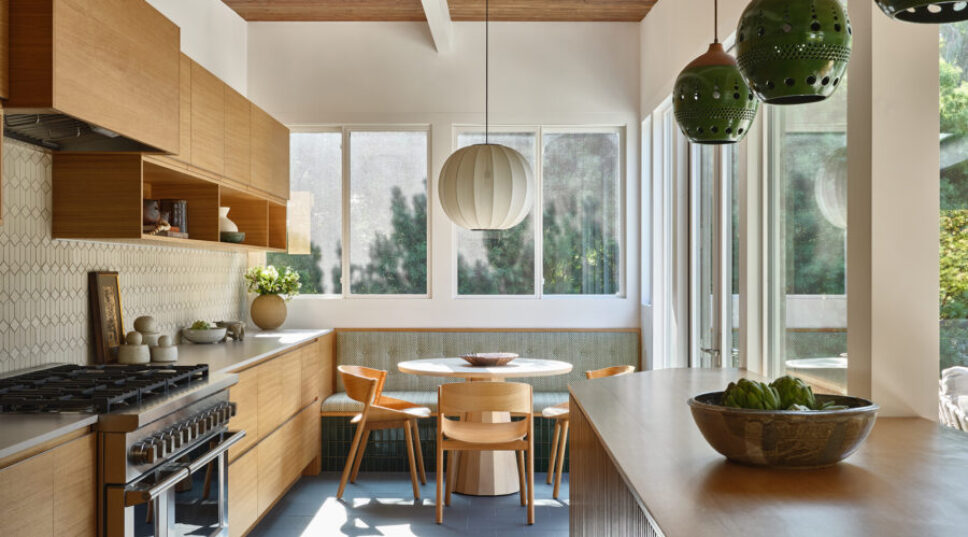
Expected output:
(140, 496)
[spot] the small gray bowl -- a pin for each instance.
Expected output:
(212, 335)
(784, 438)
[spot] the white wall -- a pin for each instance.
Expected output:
(390, 73)
(213, 35)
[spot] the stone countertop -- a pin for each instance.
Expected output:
(19, 432)
(235, 355)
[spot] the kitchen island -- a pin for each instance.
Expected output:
(640, 466)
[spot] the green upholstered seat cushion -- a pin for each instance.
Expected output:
(586, 350)
(340, 402)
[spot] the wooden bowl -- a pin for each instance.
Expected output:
(489, 359)
(784, 438)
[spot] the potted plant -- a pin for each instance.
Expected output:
(274, 289)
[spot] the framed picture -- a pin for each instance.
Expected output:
(106, 320)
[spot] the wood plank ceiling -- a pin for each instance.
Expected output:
(460, 10)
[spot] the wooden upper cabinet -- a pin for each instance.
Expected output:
(110, 63)
(4, 48)
(270, 154)
(208, 120)
(237, 137)
(185, 115)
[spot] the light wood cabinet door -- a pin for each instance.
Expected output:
(53, 493)
(208, 120)
(270, 396)
(185, 111)
(243, 490)
(311, 377)
(237, 137)
(291, 383)
(272, 451)
(4, 48)
(270, 154)
(245, 395)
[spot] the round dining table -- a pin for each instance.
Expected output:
(486, 473)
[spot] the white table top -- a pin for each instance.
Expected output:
(457, 367)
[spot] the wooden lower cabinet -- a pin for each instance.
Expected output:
(245, 395)
(243, 493)
(52, 493)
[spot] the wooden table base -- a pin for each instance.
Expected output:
(487, 473)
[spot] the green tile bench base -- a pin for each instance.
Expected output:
(385, 450)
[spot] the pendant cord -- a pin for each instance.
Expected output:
(487, 32)
(716, 21)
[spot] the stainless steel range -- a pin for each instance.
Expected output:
(163, 440)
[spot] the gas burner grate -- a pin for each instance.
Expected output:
(96, 388)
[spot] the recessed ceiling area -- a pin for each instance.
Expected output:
(460, 10)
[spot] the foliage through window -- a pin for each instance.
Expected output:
(387, 199)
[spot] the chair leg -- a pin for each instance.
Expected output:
(561, 457)
(440, 482)
(451, 475)
(359, 456)
(554, 451)
(413, 466)
(531, 479)
(419, 450)
(520, 458)
(349, 458)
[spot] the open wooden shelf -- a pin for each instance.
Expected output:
(99, 196)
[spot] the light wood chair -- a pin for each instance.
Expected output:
(561, 416)
(380, 412)
(456, 400)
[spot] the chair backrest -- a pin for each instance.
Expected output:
(613, 371)
(458, 398)
(362, 384)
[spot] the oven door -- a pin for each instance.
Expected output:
(184, 498)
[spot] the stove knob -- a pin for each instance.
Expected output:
(168, 440)
(225, 414)
(186, 434)
(143, 452)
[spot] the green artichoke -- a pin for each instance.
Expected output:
(751, 394)
(794, 391)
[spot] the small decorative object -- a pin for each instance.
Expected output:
(150, 212)
(489, 359)
(234, 329)
(793, 51)
(713, 104)
(178, 211)
(133, 351)
(224, 224)
(164, 351)
(936, 12)
(203, 332)
(486, 186)
(274, 289)
(106, 321)
(782, 424)
(231, 236)
(148, 328)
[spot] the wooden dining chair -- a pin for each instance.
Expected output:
(560, 414)
(380, 412)
(455, 433)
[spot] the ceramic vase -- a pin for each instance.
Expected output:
(268, 311)
(224, 224)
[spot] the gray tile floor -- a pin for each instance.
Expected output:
(381, 504)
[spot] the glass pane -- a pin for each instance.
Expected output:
(732, 180)
(581, 211)
(388, 212)
(809, 210)
(316, 168)
(706, 338)
(498, 262)
(954, 195)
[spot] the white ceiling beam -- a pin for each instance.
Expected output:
(441, 27)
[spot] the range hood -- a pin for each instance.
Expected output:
(61, 132)
(93, 75)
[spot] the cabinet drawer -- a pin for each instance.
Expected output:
(243, 493)
(245, 395)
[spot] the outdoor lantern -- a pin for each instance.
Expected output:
(922, 11)
(486, 186)
(793, 51)
(712, 103)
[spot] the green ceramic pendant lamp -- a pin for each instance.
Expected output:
(793, 51)
(924, 11)
(712, 103)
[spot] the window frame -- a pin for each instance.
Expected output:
(345, 186)
(538, 209)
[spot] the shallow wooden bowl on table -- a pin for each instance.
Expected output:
(489, 359)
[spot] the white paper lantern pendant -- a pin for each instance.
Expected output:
(486, 186)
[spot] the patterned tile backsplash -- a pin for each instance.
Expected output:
(43, 282)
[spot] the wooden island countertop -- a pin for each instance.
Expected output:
(910, 478)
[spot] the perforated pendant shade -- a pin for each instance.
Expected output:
(486, 186)
(793, 51)
(712, 103)
(927, 12)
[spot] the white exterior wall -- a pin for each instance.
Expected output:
(390, 74)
